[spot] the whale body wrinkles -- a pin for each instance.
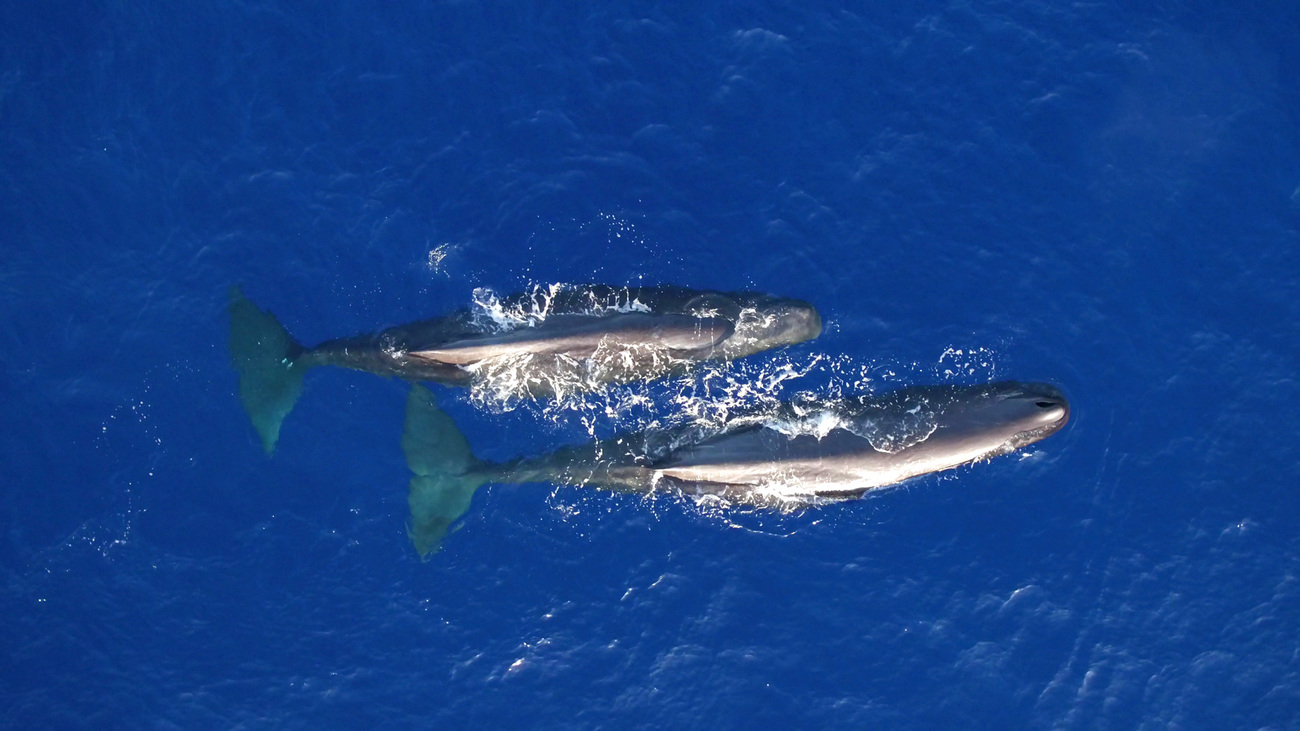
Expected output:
(795, 454)
(569, 338)
(789, 453)
(576, 322)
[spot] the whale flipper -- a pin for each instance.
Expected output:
(444, 481)
(263, 354)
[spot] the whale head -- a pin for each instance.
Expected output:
(999, 417)
(764, 322)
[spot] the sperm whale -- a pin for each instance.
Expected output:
(795, 453)
(577, 337)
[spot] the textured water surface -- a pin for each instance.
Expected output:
(1105, 196)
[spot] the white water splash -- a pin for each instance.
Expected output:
(695, 401)
(436, 256)
(495, 315)
(970, 363)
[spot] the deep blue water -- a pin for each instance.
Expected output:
(1105, 196)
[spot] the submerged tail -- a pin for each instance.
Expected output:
(263, 354)
(444, 481)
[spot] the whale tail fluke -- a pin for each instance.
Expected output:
(445, 471)
(263, 354)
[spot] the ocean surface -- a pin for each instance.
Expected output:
(1104, 196)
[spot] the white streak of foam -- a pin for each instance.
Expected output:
(491, 312)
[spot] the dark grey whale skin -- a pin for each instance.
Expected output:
(970, 423)
(877, 441)
(706, 325)
(591, 335)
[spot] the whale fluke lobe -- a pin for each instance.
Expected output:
(263, 352)
(443, 484)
